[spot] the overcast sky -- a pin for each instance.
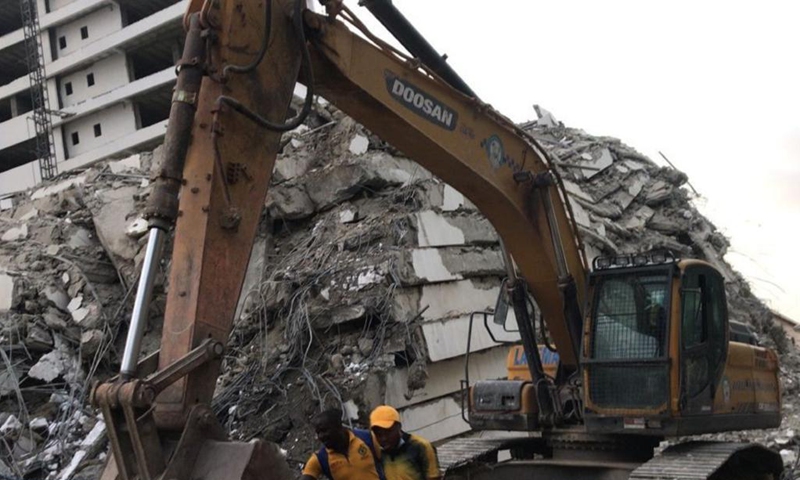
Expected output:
(713, 85)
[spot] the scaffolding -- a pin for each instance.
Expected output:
(34, 55)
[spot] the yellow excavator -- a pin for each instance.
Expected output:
(640, 348)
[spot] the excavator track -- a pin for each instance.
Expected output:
(711, 460)
(463, 451)
(698, 460)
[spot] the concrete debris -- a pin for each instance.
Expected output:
(7, 289)
(11, 426)
(359, 145)
(364, 274)
(137, 228)
(17, 233)
(50, 366)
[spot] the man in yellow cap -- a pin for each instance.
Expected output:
(404, 456)
(345, 454)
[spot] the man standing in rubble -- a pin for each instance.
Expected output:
(403, 456)
(345, 455)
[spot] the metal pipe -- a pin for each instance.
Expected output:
(399, 26)
(130, 358)
(555, 237)
(512, 272)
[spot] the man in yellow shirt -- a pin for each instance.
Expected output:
(404, 456)
(346, 454)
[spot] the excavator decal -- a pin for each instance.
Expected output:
(420, 102)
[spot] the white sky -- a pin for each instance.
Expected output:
(713, 85)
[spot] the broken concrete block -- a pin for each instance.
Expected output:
(606, 210)
(110, 222)
(289, 202)
(54, 320)
(358, 145)
(444, 377)
(441, 230)
(17, 233)
(393, 170)
(347, 313)
(75, 304)
(59, 187)
(574, 190)
(70, 469)
(91, 340)
(88, 316)
(95, 438)
(368, 277)
(80, 238)
(11, 427)
(53, 365)
(137, 228)
(452, 199)
(7, 292)
(640, 218)
(433, 230)
(581, 216)
(38, 424)
(347, 216)
(435, 420)
(668, 225)
(337, 362)
(428, 266)
(331, 186)
(38, 338)
(365, 346)
(8, 382)
(292, 166)
(448, 338)
(595, 162)
(126, 164)
(449, 299)
(57, 296)
(25, 212)
(659, 193)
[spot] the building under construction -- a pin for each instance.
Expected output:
(82, 80)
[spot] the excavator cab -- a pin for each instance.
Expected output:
(658, 358)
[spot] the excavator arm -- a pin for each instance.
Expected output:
(236, 79)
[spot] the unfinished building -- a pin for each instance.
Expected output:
(108, 74)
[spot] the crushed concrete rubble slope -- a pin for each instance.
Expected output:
(361, 283)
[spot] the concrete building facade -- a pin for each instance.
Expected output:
(110, 73)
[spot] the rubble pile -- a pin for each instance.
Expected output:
(361, 283)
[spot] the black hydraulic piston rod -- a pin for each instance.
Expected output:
(399, 26)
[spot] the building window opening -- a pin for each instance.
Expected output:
(62, 42)
(75, 138)
(97, 130)
(68, 88)
(84, 33)
(90, 79)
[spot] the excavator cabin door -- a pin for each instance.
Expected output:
(703, 334)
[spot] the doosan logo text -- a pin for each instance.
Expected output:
(420, 102)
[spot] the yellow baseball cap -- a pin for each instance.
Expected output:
(384, 417)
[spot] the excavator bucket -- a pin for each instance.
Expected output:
(215, 460)
(201, 453)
